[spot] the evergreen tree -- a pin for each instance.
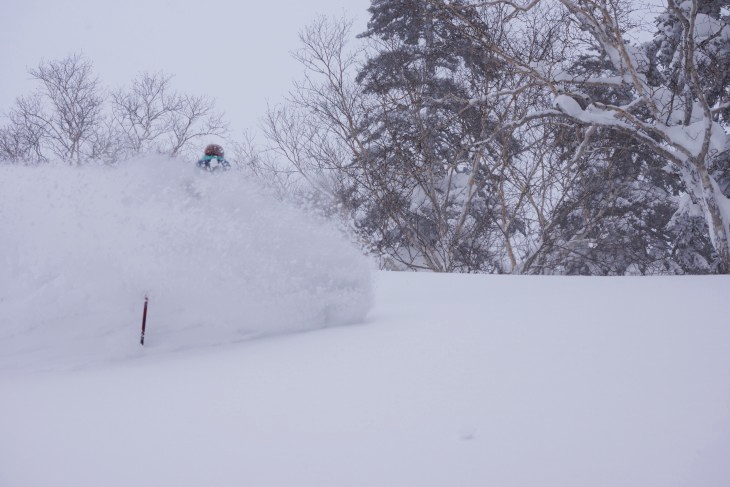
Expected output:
(430, 206)
(621, 216)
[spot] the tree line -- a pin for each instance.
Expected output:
(72, 118)
(534, 137)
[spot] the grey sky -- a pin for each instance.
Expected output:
(235, 51)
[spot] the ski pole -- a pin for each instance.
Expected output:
(144, 320)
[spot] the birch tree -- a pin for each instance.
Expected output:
(671, 109)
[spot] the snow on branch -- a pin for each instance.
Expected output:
(517, 7)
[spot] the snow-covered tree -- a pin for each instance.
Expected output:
(618, 216)
(431, 198)
(678, 100)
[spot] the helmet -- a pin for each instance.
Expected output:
(214, 150)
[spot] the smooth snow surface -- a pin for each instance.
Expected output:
(219, 260)
(452, 380)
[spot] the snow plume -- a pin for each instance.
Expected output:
(220, 261)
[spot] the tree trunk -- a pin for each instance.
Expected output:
(712, 201)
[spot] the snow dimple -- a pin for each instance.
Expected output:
(219, 260)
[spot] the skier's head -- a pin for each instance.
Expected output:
(214, 150)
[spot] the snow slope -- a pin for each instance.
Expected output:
(451, 380)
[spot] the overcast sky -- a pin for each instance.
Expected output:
(236, 51)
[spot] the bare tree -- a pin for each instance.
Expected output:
(22, 138)
(195, 119)
(63, 119)
(142, 111)
(317, 132)
(155, 118)
(75, 107)
(70, 118)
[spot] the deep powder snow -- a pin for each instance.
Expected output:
(218, 258)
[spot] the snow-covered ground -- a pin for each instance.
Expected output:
(452, 380)
(448, 380)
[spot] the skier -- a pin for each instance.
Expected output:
(213, 159)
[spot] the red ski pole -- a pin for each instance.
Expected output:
(144, 320)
